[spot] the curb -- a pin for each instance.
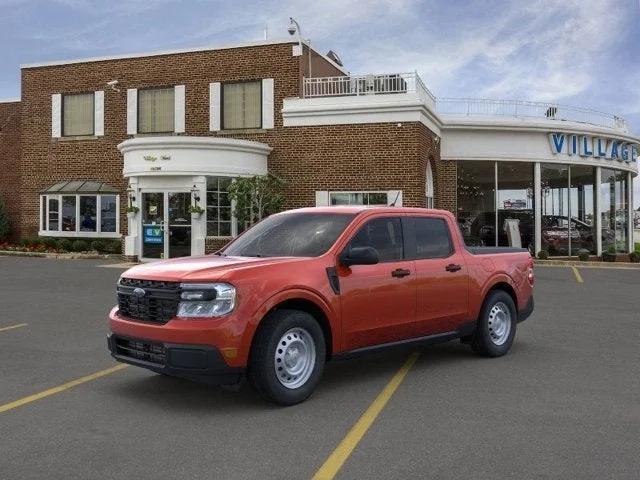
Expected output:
(577, 263)
(60, 256)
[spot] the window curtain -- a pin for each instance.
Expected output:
(156, 108)
(242, 105)
(78, 114)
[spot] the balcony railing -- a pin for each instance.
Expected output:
(402, 83)
(357, 85)
(524, 109)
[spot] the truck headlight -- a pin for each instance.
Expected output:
(206, 299)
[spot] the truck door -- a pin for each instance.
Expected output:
(378, 301)
(442, 279)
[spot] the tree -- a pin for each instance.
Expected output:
(4, 220)
(256, 197)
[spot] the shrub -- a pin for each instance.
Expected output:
(28, 242)
(583, 254)
(50, 243)
(64, 244)
(80, 246)
(634, 257)
(99, 246)
(114, 246)
(543, 254)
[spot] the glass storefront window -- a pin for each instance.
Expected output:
(108, 211)
(218, 207)
(516, 220)
(582, 208)
(554, 196)
(69, 214)
(52, 220)
(476, 202)
(77, 215)
(614, 208)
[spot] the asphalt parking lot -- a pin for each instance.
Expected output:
(563, 404)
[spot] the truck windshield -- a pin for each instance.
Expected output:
(290, 235)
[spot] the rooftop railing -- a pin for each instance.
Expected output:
(402, 83)
(357, 85)
(524, 109)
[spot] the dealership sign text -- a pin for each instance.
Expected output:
(589, 146)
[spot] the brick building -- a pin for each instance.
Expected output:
(162, 131)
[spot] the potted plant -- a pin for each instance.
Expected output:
(132, 211)
(583, 255)
(610, 255)
(196, 211)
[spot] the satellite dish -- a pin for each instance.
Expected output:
(334, 56)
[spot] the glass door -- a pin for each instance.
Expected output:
(179, 222)
(153, 222)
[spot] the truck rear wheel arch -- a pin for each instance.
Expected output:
(506, 288)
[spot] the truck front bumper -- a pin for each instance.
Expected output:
(201, 363)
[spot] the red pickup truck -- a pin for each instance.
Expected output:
(309, 285)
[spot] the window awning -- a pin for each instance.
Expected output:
(80, 187)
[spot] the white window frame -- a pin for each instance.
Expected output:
(44, 215)
(234, 220)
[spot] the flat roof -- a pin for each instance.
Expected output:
(176, 52)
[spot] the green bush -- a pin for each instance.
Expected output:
(634, 257)
(79, 246)
(543, 254)
(49, 242)
(583, 255)
(29, 242)
(99, 246)
(64, 244)
(114, 246)
(4, 221)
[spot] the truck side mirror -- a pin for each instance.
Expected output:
(359, 256)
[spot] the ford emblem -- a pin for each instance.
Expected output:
(139, 292)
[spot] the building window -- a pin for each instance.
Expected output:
(242, 105)
(219, 219)
(359, 198)
(156, 110)
(79, 215)
(78, 115)
(477, 202)
(614, 192)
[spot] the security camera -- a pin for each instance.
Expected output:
(112, 84)
(291, 29)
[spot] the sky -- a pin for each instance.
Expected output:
(575, 52)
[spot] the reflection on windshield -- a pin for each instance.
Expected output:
(291, 235)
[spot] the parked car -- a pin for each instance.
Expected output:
(311, 285)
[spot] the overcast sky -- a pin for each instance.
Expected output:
(577, 52)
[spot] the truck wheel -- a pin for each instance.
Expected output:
(287, 357)
(496, 326)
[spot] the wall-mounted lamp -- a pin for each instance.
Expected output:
(132, 194)
(196, 194)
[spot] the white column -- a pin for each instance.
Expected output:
(199, 225)
(598, 213)
(537, 201)
(132, 242)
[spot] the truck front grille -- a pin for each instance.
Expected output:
(140, 350)
(148, 300)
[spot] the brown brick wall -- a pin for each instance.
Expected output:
(342, 157)
(9, 161)
(444, 172)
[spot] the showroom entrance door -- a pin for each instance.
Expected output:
(166, 225)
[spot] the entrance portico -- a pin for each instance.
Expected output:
(167, 175)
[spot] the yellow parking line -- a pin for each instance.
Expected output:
(577, 275)
(52, 391)
(11, 327)
(334, 463)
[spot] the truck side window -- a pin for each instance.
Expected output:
(383, 234)
(432, 238)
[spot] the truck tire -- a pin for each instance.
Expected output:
(496, 326)
(287, 357)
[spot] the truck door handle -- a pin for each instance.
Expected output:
(452, 267)
(400, 272)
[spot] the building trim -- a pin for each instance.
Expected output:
(177, 51)
(10, 100)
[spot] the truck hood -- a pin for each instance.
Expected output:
(201, 268)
